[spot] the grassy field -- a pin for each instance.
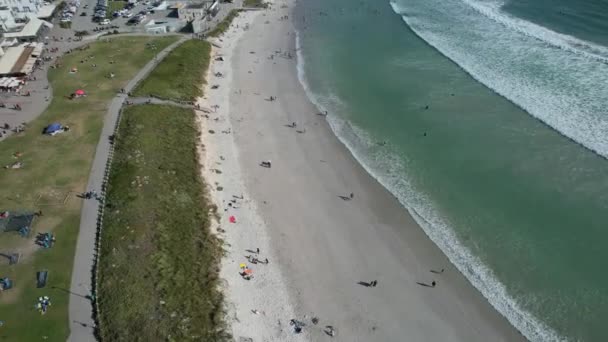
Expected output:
(54, 170)
(179, 76)
(224, 25)
(255, 3)
(159, 262)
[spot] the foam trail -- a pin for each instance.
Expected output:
(491, 9)
(556, 78)
(391, 172)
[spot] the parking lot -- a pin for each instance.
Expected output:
(88, 23)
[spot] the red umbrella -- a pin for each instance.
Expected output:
(232, 219)
(79, 92)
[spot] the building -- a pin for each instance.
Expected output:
(166, 25)
(22, 8)
(46, 12)
(191, 12)
(20, 60)
(7, 19)
(31, 31)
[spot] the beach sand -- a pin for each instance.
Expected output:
(319, 244)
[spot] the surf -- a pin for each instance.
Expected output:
(391, 171)
(556, 78)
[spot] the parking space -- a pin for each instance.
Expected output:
(119, 14)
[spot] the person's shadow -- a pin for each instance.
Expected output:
(424, 284)
(84, 325)
(363, 283)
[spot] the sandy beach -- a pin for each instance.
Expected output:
(319, 245)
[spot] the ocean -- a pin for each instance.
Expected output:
(489, 122)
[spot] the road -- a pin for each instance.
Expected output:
(82, 324)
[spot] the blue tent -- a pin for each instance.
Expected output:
(54, 127)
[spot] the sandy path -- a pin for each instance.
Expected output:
(325, 245)
(259, 308)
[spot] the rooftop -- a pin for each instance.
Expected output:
(20, 59)
(30, 29)
(46, 11)
(196, 6)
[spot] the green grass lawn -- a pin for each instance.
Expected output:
(224, 25)
(54, 170)
(156, 244)
(180, 76)
(114, 6)
(255, 3)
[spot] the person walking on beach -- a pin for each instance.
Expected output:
(352, 195)
(373, 283)
(433, 283)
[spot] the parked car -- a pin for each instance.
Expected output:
(83, 14)
(105, 22)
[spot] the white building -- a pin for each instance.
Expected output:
(7, 20)
(193, 11)
(22, 8)
(31, 31)
(20, 60)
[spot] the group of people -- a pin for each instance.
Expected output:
(92, 194)
(246, 272)
(43, 304)
(254, 260)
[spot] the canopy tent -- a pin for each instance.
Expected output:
(41, 278)
(5, 284)
(52, 128)
(14, 221)
(79, 92)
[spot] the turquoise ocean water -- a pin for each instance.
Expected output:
(506, 168)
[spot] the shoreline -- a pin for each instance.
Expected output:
(475, 271)
(325, 246)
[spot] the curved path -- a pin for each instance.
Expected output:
(157, 101)
(82, 324)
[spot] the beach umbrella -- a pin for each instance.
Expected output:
(243, 266)
(248, 271)
(79, 92)
(232, 219)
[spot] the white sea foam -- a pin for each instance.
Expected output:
(492, 10)
(539, 70)
(391, 172)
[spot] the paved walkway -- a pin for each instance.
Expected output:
(38, 85)
(81, 310)
(157, 101)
